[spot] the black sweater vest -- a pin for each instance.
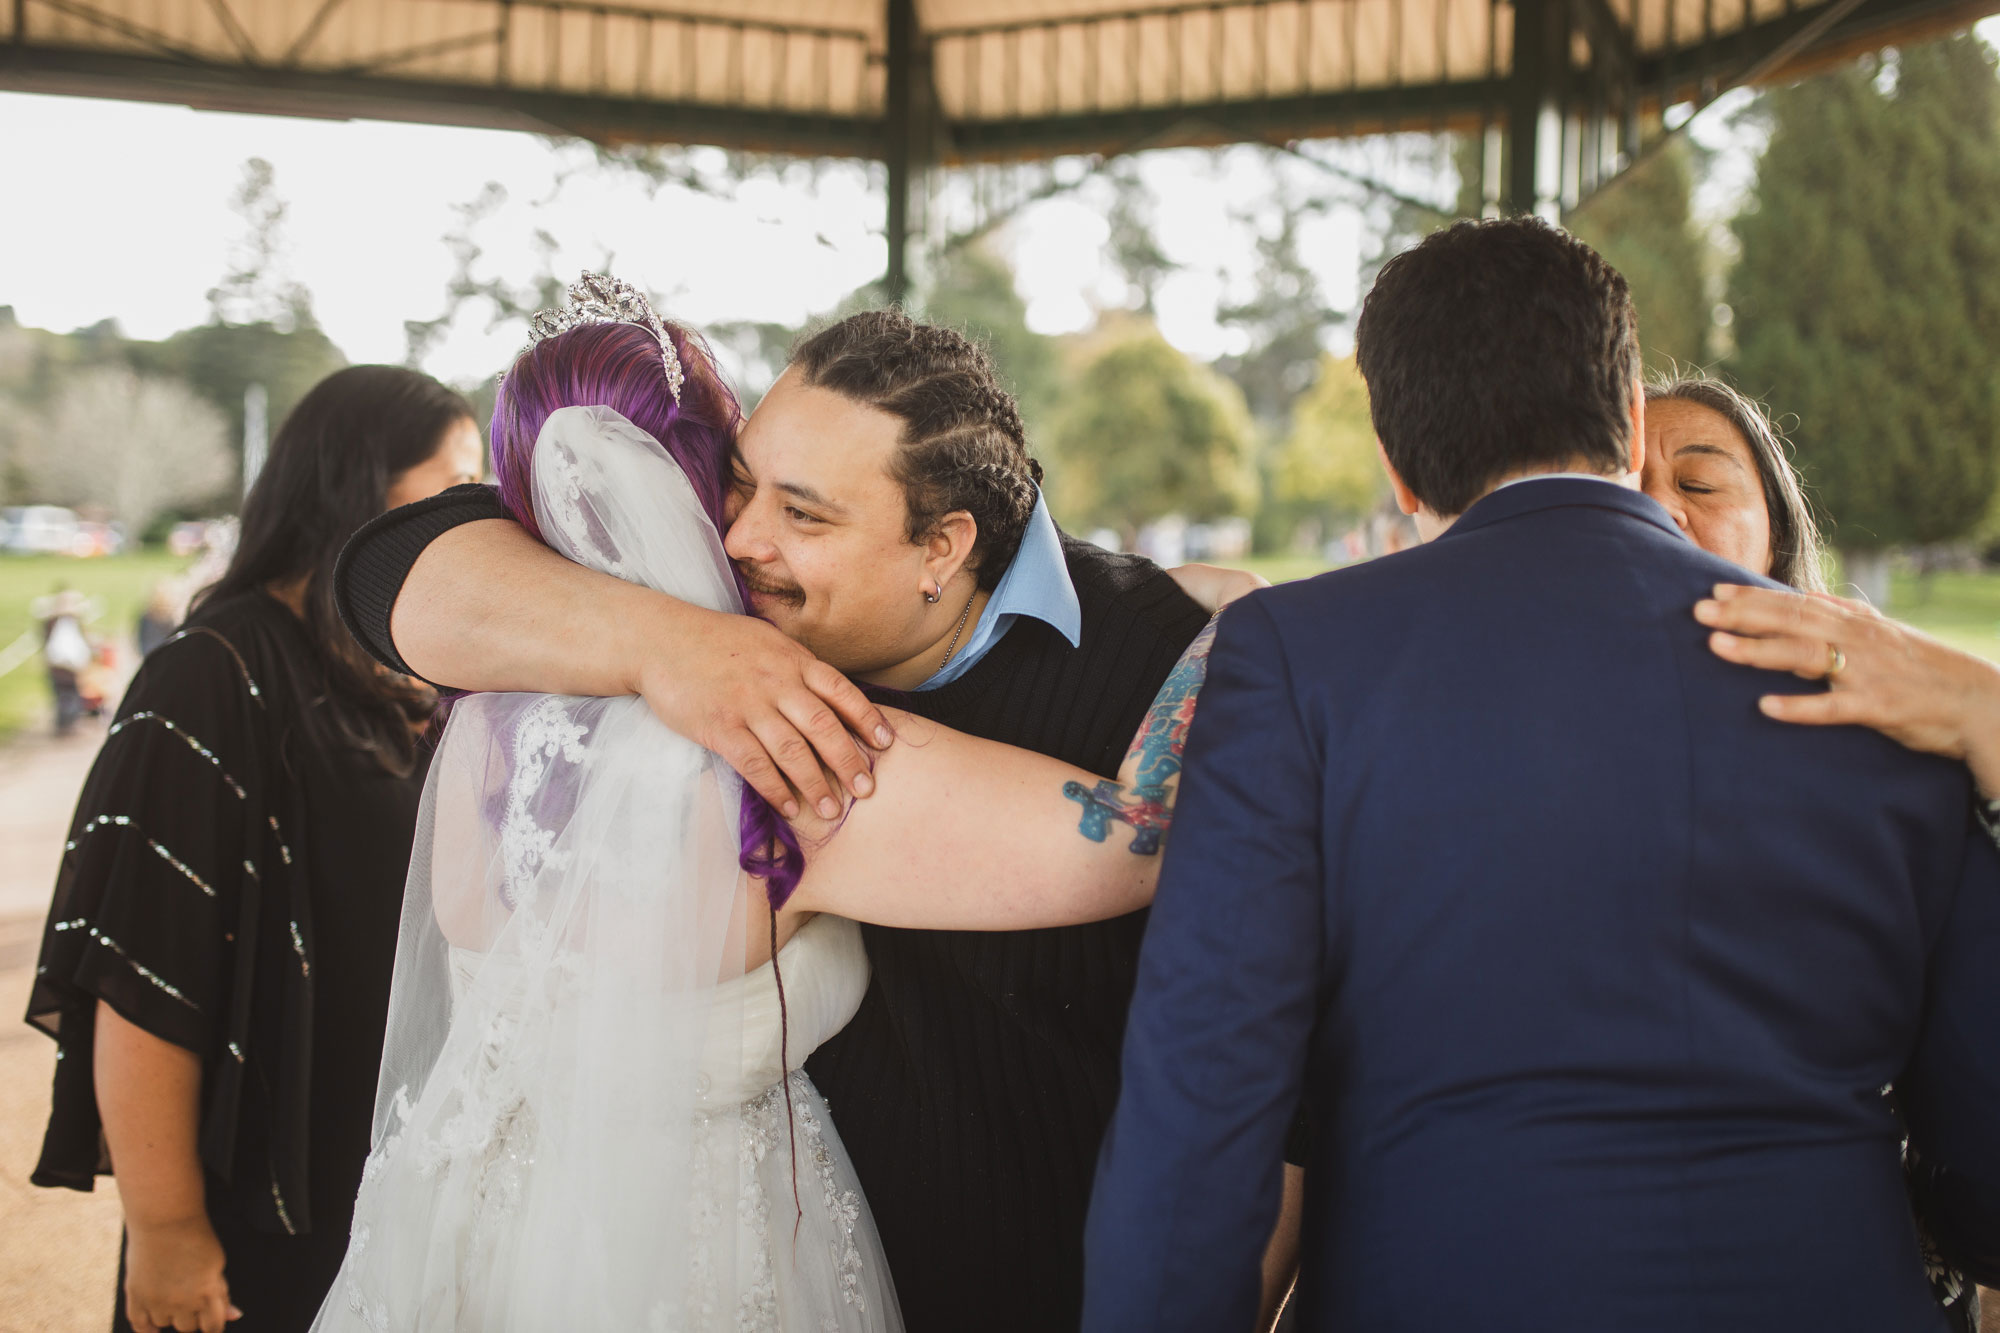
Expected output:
(975, 1083)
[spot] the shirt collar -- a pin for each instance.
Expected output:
(1565, 476)
(1036, 584)
(1508, 502)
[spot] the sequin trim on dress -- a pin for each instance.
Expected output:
(284, 1218)
(242, 667)
(91, 826)
(192, 741)
(144, 971)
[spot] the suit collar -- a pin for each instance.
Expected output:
(1535, 494)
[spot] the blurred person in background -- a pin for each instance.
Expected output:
(216, 964)
(66, 652)
(165, 608)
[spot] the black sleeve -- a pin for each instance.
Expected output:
(1299, 1139)
(369, 575)
(149, 886)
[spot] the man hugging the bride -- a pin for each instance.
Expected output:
(617, 958)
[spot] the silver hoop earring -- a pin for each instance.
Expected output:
(933, 595)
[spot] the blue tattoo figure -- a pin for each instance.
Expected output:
(1148, 809)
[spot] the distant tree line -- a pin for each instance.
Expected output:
(147, 432)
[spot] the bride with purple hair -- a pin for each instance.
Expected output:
(615, 957)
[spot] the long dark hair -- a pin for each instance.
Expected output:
(329, 471)
(1795, 541)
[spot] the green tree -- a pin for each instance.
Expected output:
(258, 288)
(1144, 432)
(1285, 317)
(1326, 467)
(1642, 223)
(134, 445)
(261, 328)
(1133, 248)
(1867, 297)
(220, 361)
(972, 290)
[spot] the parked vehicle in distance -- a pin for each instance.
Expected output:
(98, 538)
(39, 530)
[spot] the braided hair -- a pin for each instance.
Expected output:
(962, 447)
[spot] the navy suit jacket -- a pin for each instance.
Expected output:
(1590, 976)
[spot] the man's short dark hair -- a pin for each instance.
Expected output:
(963, 445)
(1494, 347)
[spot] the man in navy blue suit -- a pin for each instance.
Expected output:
(1589, 977)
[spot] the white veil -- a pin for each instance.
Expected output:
(574, 899)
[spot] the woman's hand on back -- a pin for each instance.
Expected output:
(1892, 678)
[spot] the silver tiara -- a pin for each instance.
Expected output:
(598, 298)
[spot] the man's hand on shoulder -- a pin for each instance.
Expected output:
(778, 715)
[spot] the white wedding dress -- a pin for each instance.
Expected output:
(590, 1115)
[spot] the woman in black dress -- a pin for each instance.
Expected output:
(216, 965)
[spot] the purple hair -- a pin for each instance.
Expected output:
(618, 366)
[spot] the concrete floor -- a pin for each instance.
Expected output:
(58, 1248)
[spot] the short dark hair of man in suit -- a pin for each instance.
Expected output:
(1537, 336)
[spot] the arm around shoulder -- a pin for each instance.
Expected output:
(376, 562)
(970, 834)
(486, 606)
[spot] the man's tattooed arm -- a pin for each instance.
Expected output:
(1150, 777)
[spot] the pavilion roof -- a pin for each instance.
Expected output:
(999, 78)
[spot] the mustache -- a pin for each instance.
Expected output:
(784, 592)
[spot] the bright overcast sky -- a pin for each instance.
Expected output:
(120, 210)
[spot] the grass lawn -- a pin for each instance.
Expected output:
(1961, 609)
(119, 585)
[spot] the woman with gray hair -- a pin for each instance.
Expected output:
(1717, 463)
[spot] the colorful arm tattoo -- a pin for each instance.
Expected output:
(1143, 797)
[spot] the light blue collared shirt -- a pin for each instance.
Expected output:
(1037, 584)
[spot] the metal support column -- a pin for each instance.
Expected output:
(899, 142)
(1531, 92)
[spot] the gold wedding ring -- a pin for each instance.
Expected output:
(1836, 662)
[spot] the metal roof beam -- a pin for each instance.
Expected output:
(1266, 120)
(1775, 47)
(1607, 34)
(296, 92)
